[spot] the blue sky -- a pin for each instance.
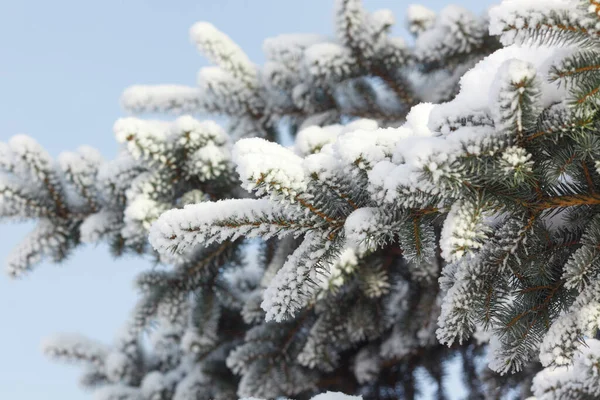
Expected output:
(64, 65)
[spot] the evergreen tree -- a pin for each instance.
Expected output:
(439, 202)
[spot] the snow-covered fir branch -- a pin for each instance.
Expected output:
(440, 201)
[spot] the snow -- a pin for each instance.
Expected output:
(19, 201)
(47, 239)
(339, 268)
(194, 134)
(81, 167)
(116, 175)
(297, 281)
(519, 12)
(288, 49)
(32, 164)
(360, 225)
(90, 155)
(562, 341)
(360, 30)
(6, 158)
(417, 119)
(572, 381)
(221, 50)
(363, 124)
(146, 140)
(221, 92)
(130, 128)
(75, 347)
(476, 85)
(365, 148)
(195, 343)
(382, 19)
(313, 138)
(419, 148)
(331, 142)
(269, 168)
(455, 321)
(97, 225)
(153, 386)
(118, 366)
(204, 223)
(463, 231)
(26, 146)
(329, 62)
(118, 392)
(335, 396)
(208, 162)
(175, 99)
(455, 31)
(516, 159)
(515, 79)
(419, 18)
(143, 211)
(194, 384)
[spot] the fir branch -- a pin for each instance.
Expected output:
(574, 200)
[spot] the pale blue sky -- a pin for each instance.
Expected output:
(64, 64)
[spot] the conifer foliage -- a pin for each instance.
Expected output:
(440, 202)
